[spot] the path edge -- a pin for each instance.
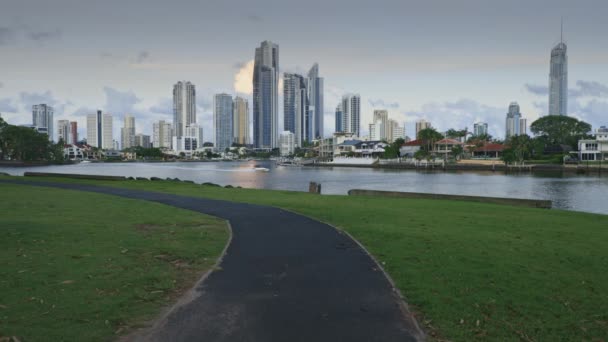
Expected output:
(419, 333)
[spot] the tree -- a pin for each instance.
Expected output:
(520, 146)
(429, 136)
(455, 134)
(457, 151)
(481, 137)
(560, 129)
(392, 150)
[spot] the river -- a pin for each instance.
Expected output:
(579, 193)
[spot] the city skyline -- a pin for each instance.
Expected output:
(128, 73)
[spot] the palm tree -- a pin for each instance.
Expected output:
(429, 136)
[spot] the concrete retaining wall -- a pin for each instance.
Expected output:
(71, 175)
(531, 203)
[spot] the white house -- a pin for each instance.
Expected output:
(596, 149)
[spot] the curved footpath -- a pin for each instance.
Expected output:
(285, 277)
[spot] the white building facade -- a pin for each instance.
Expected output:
(286, 143)
(184, 112)
(42, 117)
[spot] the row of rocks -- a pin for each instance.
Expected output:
(183, 181)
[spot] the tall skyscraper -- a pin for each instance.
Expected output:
(193, 138)
(420, 125)
(314, 118)
(63, 131)
(141, 140)
(351, 114)
(99, 130)
(127, 133)
(480, 128)
(295, 107)
(240, 120)
(222, 121)
(558, 79)
(514, 120)
(184, 112)
(381, 119)
(42, 119)
(339, 116)
(162, 134)
(265, 95)
(74, 132)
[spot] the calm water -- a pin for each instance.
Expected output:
(581, 193)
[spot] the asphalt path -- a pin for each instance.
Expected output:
(284, 277)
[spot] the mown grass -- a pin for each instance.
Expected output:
(88, 267)
(471, 271)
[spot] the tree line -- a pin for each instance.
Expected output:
(26, 144)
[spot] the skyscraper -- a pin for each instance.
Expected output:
(74, 132)
(141, 140)
(222, 121)
(480, 128)
(339, 115)
(240, 120)
(351, 114)
(558, 80)
(184, 112)
(127, 133)
(42, 119)
(265, 95)
(162, 134)
(99, 130)
(314, 118)
(420, 125)
(295, 107)
(63, 131)
(513, 122)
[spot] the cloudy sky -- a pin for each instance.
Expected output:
(453, 62)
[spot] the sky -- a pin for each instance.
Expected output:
(451, 62)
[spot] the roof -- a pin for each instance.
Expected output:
(448, 142)
(417, 142)
(350, 142)
(491, 147)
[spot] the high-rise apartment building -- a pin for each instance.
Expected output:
(193, 138)
(514, 121)
(127, 132)
(240, 120)
(315, 111)
(99, 130)
(558, 80)
(295, 107)
(480, 128)
(141, 140)
(286, 143)
(63, 131)
(420, 125)
(42, 119)
(162, 134)
(74, 132)
(184, 112)
(351, 114)
(222, 121)
(265, 95)
(339, 116)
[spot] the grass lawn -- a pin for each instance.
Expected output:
(80, 266)
(471, 271)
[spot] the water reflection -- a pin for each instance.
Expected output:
(582, 193)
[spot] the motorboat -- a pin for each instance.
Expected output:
(261, 169)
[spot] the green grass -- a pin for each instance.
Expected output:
(87, 267)
(471, 271)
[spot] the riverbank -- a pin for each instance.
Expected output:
(581, 169)
(471, 271)
(88, 267)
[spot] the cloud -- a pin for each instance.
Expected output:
(1, 85)
(537, 89)
(43, 36)
(254, 18)
(243, 80)
(462, 113)
(29, 99)
(7, 35)
(379, 103)
(164, 106)
(142, 56)
(120, 102)
(6, 105)
(589, 88)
